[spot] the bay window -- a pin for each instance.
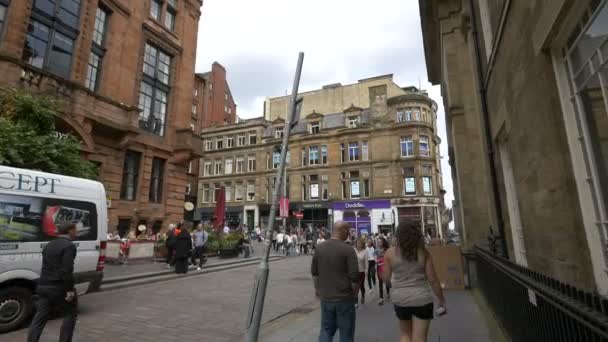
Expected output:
(424, 145)
(407, 146)
(353, 151)
(427, 185)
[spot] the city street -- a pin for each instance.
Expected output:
(212, 307)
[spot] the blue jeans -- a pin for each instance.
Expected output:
(337, 316)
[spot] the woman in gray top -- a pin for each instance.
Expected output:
(409, 268)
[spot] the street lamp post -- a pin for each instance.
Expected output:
(256, 304)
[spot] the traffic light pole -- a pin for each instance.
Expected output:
(256, 304)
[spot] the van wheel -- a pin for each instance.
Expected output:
(16, 306)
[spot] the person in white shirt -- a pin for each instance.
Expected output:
(280, 236)
(288, 244)
(371, 269)
(258, 233)
(226, 230)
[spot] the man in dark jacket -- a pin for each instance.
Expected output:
(183, 247)
(170, 244)
(56, 285)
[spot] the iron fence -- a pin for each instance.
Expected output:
(533, 307)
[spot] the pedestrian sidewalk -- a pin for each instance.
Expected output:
(113, 271)
(463, 322)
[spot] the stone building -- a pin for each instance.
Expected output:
(123, 71)
(212, 105)
(371, 166)
(524, 92)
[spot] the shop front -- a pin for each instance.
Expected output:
(233, 215)
(365, 216)
(314, 214)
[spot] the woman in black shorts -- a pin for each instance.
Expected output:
(409, 268)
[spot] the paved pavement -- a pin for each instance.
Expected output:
(210, 307)
(464, 322)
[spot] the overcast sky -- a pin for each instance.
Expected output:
(343, 41)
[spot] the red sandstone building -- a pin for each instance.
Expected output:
(213, 105)
(123, 70)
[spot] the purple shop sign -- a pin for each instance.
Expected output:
(363, 204)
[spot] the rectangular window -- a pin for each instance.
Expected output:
(366, 188)
(216, 192)
(408, 115)
(407, 146)
(278, 132)
(427, 185)
(409, 186)
(99, 29)
(400, 115)
(218, 167)
(2, 16)
(240, 165)
(154, 90)
(93, 71)
(324, 154)
(343, 189)
(276, 159)
(251, 191)
(206, 193)
(342, 153)
(314, 191)
(304, 157)
(313, 155)
(355, 189)
(417, 114)
(304, 189)
(155, 8)
(170, 19)
(219, 143)
(130, 176)
(230, 142)
(194, 109)
(364, 151)
(207, 169)
(47, 49)
(314, 127)
(195, 92)
(240, 140)
(251, 164)
(208, 145)
(228, 166)
(353, 151)
(238, 192)
(156, 180)
(228, 192)
(424, 145)
(252, 138)
(325, 191)
(353, 121)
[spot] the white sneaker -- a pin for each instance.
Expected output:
(198, 268)
(381, 302)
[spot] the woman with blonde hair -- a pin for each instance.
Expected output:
(362, 262)
(409, 268)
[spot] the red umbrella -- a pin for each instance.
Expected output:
(220, 210)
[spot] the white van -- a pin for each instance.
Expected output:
(32, 205)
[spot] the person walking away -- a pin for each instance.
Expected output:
(363, 264)
(308, 246)
(288, 244)
(279, 241)
(335, 274)
(55, 290)
(409, 268)
(274, 240)
(200, 238)
(258, 234)
(382, 248)
(183, 248)
(170, 244)
(371, 265)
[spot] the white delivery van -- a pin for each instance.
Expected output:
(32, 205)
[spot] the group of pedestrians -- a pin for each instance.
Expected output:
(184, 249)
(403, 268)
(296, 241)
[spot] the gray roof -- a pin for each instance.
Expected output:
(330, 121)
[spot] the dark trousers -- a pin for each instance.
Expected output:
(371, 273)
(337, 316)
(381, 284)
(170, 260)
(181, 265)
(362, 284)
(53, 298)
(198, 254)
(274, 245)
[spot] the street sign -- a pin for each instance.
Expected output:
(299, 215)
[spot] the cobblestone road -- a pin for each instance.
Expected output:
(211, 307)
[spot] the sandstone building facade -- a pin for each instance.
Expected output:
(372, 166)
(524, 92)
(123, 71)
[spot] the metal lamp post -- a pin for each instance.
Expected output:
(256, 304)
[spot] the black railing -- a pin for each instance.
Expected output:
(533, 307)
